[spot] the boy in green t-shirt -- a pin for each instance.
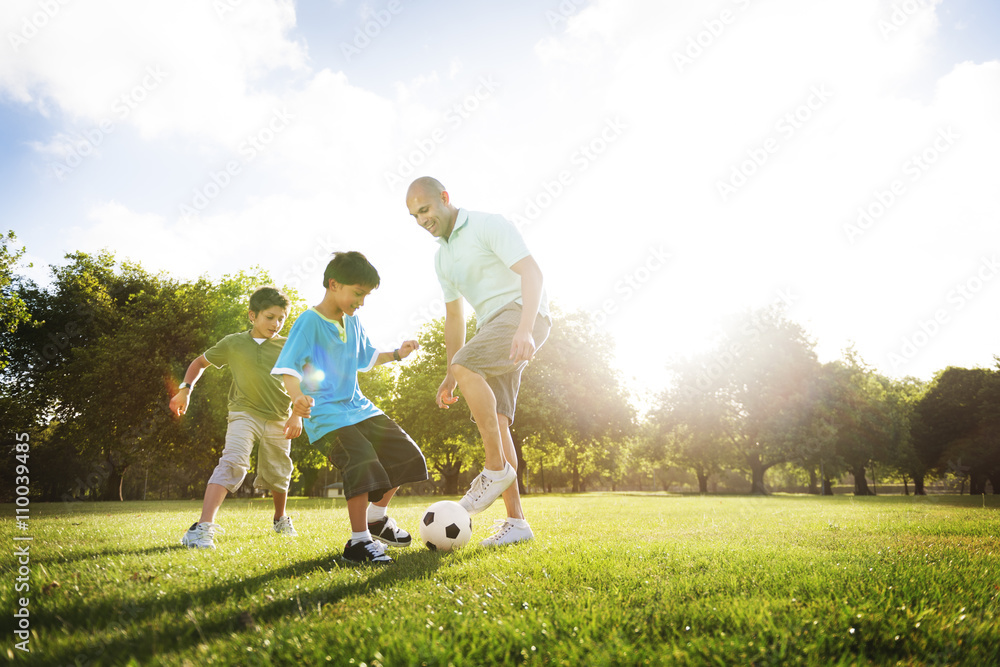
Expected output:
(259, 411)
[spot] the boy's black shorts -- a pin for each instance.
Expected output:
(374, 456)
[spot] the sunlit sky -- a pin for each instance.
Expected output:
(669, 163)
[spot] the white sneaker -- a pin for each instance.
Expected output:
(504, 532)
(283, 526)
(484, 491)
(200, 535)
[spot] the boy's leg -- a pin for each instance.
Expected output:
(241, 433)
(357, 512)
(280, 498)
(214, 495)
(386, 498)
(274, 465)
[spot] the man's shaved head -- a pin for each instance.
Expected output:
(428, 202)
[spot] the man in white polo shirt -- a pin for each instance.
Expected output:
(483, 258)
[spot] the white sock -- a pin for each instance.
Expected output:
(363, 536)
(495, 474)
(375, 513)
(517, 523)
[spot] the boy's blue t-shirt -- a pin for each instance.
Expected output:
(326, 360)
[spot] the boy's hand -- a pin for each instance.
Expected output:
(445, 393)
(293, 427)
(407, 348)
(522, 348)
(302, 406)
(179, 403)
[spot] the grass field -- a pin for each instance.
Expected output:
(609, 580)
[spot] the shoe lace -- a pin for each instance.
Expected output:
(375, 548)
(210, 529)
(390, 525)
(500, 526)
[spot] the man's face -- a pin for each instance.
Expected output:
(431, 211)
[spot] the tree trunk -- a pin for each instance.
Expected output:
(813, 482)
(918, 485)
(906, 486)
(860, 483)
(827, 487)
(449, 473)
(757, 470)
(113, 484)
(576, 479)
(702, 481)
(977, 484)
(541, 473)
(522, 466)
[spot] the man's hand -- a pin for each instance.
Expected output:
(179, 403)
(522, 348)
(407, 348)
(302, 406)
(445, 394)
(293, 427)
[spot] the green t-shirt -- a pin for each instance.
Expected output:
(254, 389)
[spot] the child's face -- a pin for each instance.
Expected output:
(267, 323)
(349, 298)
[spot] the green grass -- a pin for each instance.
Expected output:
(610, 579)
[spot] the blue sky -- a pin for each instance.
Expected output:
(669, 163)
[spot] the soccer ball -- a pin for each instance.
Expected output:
(445, 526)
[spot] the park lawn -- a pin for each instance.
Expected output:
(611, 579)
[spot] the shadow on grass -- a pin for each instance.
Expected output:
(146, 627)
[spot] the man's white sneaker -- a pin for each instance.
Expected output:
(484, 491)
(200, 535)
(283, 526)
(504, 532)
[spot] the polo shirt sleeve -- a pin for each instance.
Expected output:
(502, 237)
(449, 289)
(218, 354)
(367, 354)
(298, 348)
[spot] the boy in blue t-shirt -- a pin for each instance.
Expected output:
(319, 364)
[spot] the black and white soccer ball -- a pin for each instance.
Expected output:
(445, 526)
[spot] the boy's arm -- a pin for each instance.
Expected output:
(522, 348)
(402, 352)
(179, 401)
(454, 340)
(301, 404)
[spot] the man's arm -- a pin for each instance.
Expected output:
(523, 346)
(454, 340)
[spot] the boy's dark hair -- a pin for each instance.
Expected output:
(351, 268)
(268, 296)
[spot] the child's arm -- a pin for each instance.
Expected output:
(301, 404)
(179, 402)
(406, 349)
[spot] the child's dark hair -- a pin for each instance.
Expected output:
(351, 268)
(265, 297)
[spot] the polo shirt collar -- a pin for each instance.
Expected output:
(460, 220)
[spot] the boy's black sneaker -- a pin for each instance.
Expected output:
(361, 553)
(386, 530)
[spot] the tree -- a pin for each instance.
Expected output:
(449, 438)
(950, 432)
(762, 370)
(573, 409)
(692, 424)
(13, 310)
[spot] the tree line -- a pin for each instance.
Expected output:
(89, 362)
